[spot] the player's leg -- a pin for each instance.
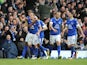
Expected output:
(41, 47)
(29, 41)
(52, 41)
(36, 51)
(58, 42)
(24, 51)
(71, 44)
(72, 50)
(36, 45)
(41, 42)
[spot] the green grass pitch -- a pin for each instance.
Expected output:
(43, 62)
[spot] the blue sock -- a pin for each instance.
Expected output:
(32, 50)
(24, 51)
(72, 50)
(50, 48)
(36, 52)
(58, 49)
(42, 50)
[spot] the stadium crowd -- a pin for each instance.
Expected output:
(15, 18)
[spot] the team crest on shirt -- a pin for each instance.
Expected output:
(72, 23)
(32, 27)
(34, 24)
(56, 26)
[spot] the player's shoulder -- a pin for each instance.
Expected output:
(29, 21)
(75, 19)
(41, 22)
(67, 20)
(61, 19)
(52, 19)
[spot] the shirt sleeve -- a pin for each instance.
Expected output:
(29, 21)
(39, 25)
(51, 21)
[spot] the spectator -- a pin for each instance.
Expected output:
(10, 20)
(1, 27)
(21, 40)
(10, 48)
(81, 44)
(4, 7)
(13, 33)
(10, 9)
(30, 4)
(14, 19)
(44, 10)
(5, 32)
(20, 8)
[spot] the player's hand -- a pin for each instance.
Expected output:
(82, 35)
(55, 30)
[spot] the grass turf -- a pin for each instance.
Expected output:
(43, 62)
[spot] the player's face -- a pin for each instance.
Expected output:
(31, 15)
(35, 18)
(69, 14)
(57, 15)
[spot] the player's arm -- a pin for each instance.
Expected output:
(80, 29)
(51, 27)
(62, 26)
(44, 27)
(40, 28)
(64, 29)
(30, 24)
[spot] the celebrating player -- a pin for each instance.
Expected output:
(55, 31)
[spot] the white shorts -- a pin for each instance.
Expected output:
(55, 38)
(72, 39)
(32, 39)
